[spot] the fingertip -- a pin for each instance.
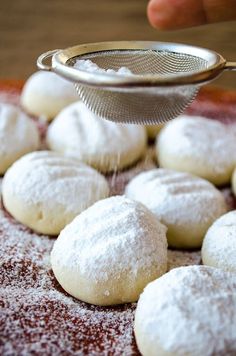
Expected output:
(175, 14)
(155, 15)
(150, 14)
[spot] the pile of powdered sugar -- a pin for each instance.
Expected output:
(89, 66)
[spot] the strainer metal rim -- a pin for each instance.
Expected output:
(60, 59)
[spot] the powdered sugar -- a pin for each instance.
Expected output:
(89, 66)
(219, 245)
(119, 179)
(62, 325)
(181, 258)
(199, 304)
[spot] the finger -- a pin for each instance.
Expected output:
(175, 14)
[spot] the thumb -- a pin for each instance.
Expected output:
(176, 14)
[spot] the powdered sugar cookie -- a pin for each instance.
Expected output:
(45, 191)
(219, 244)
(110, 252)
(107, 146)
(46, 94)
(188, 311)
(18, 135)
(200, 146)
(186, 204)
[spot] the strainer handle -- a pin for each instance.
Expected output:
(230, 66)
(40, 61)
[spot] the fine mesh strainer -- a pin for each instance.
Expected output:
(164, 81)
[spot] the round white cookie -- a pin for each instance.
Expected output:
(46, 94)
(109, 253)
(219, 244)
(186, 204)
(18, 135)
(45, 191)
(107, 146)
(204, 147)
(188, 311)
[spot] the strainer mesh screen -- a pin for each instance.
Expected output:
(146, 61)
(146, 105)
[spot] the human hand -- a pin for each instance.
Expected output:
(177, 14)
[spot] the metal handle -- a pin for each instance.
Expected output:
(43, 57)
(230, 66)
